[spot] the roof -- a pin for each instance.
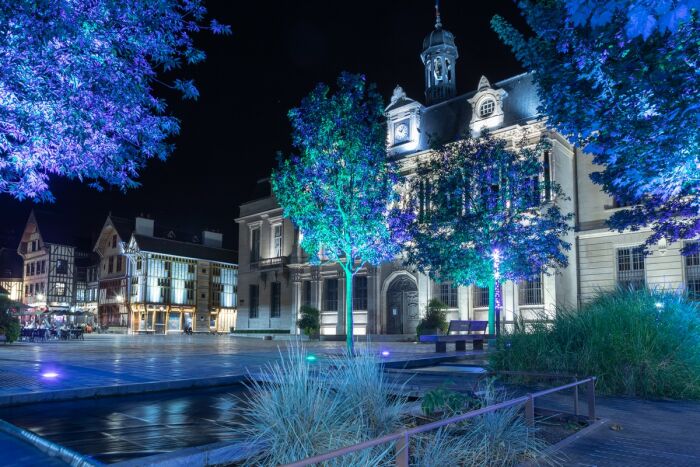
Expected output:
(184, 249)
(53, 227)
(124, 227)
(449, 120)
(10, 263)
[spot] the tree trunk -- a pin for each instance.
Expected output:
(348, 311)
(492, 305)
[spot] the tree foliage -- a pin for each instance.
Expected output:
(478, 195)
(76, 87)
(339, 190)
(619, 78)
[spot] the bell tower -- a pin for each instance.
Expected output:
(439, 57)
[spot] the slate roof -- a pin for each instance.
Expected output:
(123, 226)
(449, 121)
(10, 263)
(184, 249)
(54, 228)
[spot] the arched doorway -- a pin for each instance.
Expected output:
(401, 304)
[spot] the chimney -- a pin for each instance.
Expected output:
(212, 239)
(144, 226)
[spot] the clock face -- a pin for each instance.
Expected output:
(401, 132)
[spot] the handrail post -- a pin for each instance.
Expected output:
(402, 450)
(530, 410)
(576, 410)
(591, 400)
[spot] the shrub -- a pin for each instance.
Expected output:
(638, 343)
(9, 326)
(435, 318)
(499, 438)
(296, 411)
(309, 322)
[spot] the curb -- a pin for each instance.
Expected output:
(49, 448)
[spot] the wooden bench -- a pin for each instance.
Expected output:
(475, 333)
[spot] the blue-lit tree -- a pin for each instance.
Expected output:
(76, 87)
(620, 79)
(339, 191)
(487, 214)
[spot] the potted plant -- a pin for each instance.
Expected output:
(435, 320)
(310, 323)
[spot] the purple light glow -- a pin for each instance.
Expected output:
(385, 353)
(49, 375)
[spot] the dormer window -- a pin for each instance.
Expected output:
(486, 108)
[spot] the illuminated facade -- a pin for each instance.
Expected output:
(11, 275)
(390, 298)
(55, 271)
(173, 285)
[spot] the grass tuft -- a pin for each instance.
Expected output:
(638, 343)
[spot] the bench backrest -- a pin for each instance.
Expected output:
(470, 327)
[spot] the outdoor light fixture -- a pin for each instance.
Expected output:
(311, 358)
(659, 305)
(385, 353)
(49, 375)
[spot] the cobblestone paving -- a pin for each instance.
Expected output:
(108, 360)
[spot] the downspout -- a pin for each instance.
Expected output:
(577, 229)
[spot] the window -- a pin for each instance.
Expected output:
(26, 290)
(43, 266)
(306, 300)
(110, 269)
(546, 167)
(448, 295)
(31, 289)
(692, 275)
(277, 240)
(530, 291)
(330, 295)
(34, 245)
(138, 264)
(114, 241)
(254, 245)
(31, 269)
(119, 263)
(61, 266)
(254, 291)
(60, 288)
(481, 297)
(27, 269)
(359, 293)
(630, 267)
(486, 108)
(275, 298)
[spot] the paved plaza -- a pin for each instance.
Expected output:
(119, 360)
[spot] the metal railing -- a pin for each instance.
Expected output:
(402, 438)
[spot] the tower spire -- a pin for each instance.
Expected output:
(438, 22)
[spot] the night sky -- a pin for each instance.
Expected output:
(278, 51)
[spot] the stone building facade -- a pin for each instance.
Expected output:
(391, 298)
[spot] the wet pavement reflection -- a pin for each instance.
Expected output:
(121, 428)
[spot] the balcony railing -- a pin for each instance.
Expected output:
(269, 263)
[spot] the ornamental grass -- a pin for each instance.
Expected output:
(641, 343)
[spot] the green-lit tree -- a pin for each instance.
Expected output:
(487, 214)
(339, 190)
(620, 79)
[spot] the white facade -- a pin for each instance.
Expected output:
(392, 297)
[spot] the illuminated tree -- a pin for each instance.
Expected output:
(619, 78)
(339, 190)
(486, 214)
(76, 88)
